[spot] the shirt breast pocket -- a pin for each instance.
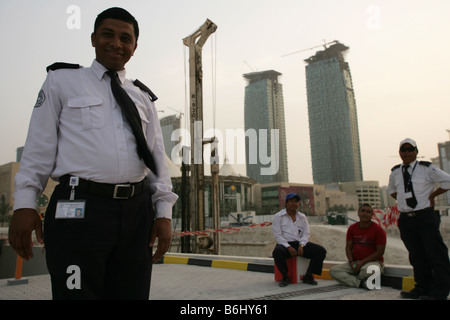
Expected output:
(143, 115)
(90, 110)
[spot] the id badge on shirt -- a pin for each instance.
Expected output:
(71, 209)
(300, 231)
(408, 195)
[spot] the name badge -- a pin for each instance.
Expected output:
(408, 195)
(70, 209)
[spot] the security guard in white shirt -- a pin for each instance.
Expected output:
(101, 216)
(412, 184)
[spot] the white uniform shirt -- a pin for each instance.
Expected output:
(424, 179)
(285, 230)
(77, 128)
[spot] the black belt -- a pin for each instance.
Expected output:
(115, 191)
(416, 213)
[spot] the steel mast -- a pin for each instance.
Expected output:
(195, 43)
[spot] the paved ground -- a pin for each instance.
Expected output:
(188, 282)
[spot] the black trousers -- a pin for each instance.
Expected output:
(109, 246)
(316, 253)
(428, 253)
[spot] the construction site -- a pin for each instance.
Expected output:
(238, 248)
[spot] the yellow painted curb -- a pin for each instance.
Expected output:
(408, 283)
(229, 264)
(176, 260)
(325, 275)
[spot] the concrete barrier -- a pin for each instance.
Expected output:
(395, 276)
(35, 266)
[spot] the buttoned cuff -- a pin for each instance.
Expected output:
(163, 210)
(25, 199)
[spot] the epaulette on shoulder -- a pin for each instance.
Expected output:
(425, 163)
(396, 167)
(143, 87)
(62, 65)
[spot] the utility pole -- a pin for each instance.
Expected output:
(195, 43)
(215, 194)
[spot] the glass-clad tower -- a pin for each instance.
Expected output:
(168, 125)
(333, 123)
(265, 145)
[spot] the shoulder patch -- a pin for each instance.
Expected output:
(425, 163)
(40, 99)
(396, 167)
(143, 87)
(62, 65)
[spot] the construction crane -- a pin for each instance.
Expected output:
(253, 70)
(177, 111)
(195, 43)
(322, 45)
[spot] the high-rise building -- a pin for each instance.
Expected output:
(265, 148)
(168, 125)
(333, 122)
(444, 164)
(444, 155)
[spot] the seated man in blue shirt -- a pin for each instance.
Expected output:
(291, 231)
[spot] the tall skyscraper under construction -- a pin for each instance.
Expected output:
(333, 122)
(265, 147)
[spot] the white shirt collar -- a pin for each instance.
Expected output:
(412, 164)
(99, 70)
(284, 212)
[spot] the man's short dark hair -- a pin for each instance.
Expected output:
(119, 14)
(365, 205)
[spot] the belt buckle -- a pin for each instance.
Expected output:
(116, 189)
(411, 214)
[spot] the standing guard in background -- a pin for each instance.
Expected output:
(412, 184)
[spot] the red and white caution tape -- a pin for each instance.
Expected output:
(224, 230)
(389, 217)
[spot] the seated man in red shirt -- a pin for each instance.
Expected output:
(365, 245)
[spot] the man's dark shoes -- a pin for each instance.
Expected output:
(413, 294)
(284, 282)
(309, 279)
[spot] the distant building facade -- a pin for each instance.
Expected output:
(315, 200)
(333, 123)
(367, 192)
(444, 164)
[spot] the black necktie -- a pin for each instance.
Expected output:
(132, 115)
(411, 202)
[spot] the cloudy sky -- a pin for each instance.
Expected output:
(398, 58)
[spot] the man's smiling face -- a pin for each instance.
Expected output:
(114, 43)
